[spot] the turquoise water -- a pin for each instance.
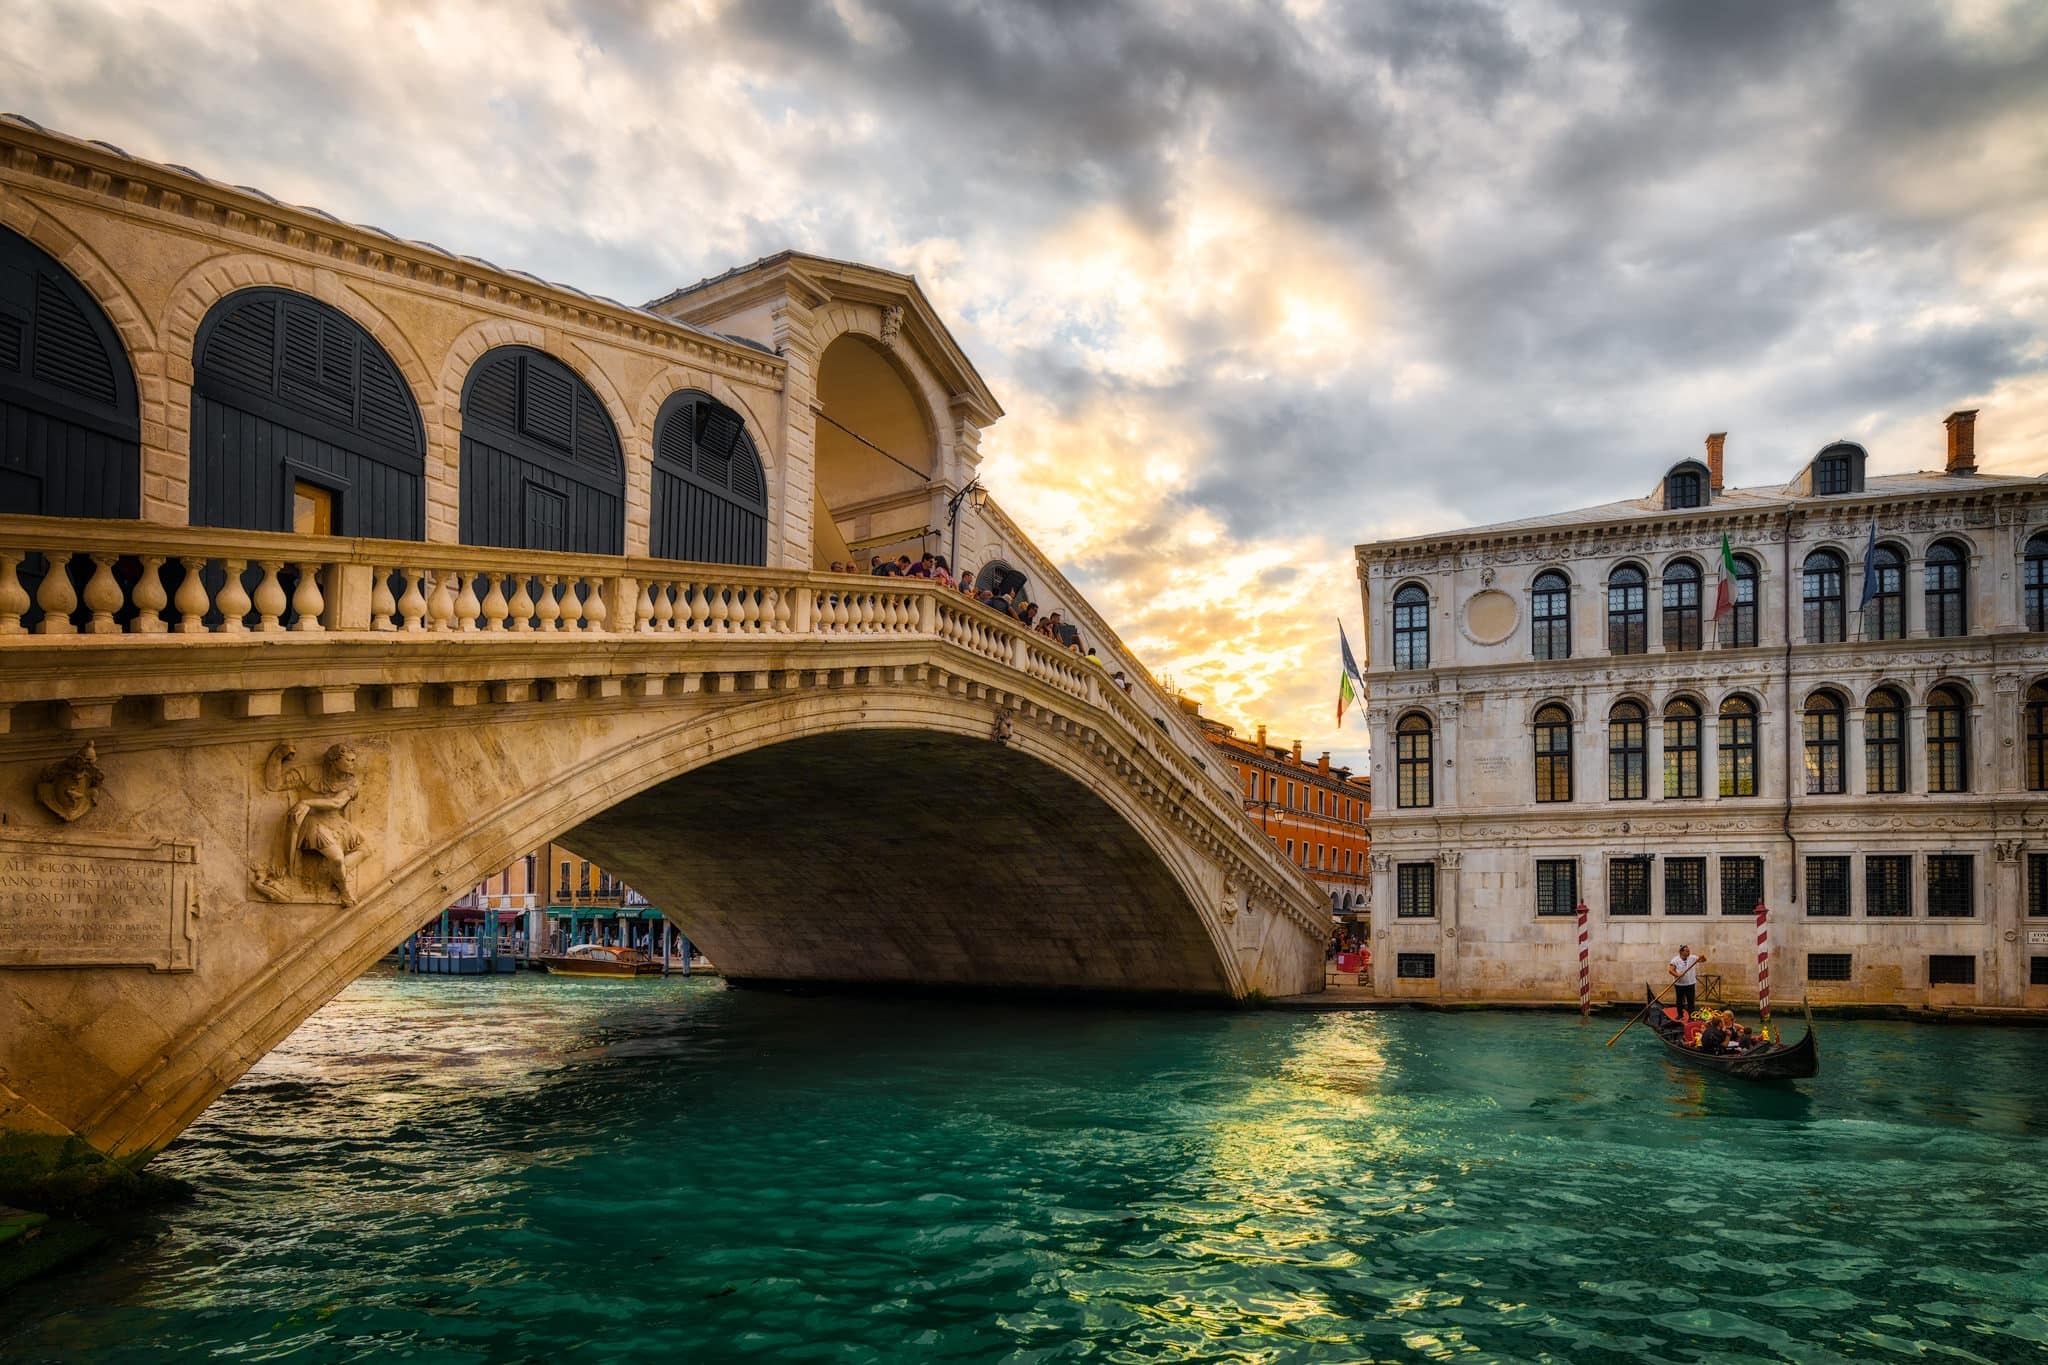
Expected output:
(533, 1169)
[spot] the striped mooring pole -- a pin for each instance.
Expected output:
(1763, 962)
(1585, 968)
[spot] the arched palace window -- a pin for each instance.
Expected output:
(1414, 762)
(1947, 578)
(1884, 618)
(2037, 737)
(1738, 747)
(1948, 740)
(1550, 616)
(1553, 753)
(1627, 752)
(1738, 624)
(1681, 748)
(1823, 744)
(1821, 587)
(1628, 619)
(1884, 742)
(1681, 605)
(1411, 627)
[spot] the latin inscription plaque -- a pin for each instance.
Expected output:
(100, 902)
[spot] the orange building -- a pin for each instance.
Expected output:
(555, 895)
(1314, 812)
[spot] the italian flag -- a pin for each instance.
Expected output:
(1724, 591)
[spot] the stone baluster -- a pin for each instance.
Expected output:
(56, 597)
(494, 607)
(643, 606)
(191, 600)
(779, 619)
(467, 604)
(150, 598)
(523, 605)
(270, 598)
(14, 601)
(662, 608)
(233, 599)
(549, 611)
(595, 611)
(412, 607)
(572, 603)
(441, 605)
(750, 610)
(383, 608)
(721, 610)
(103, 597)
(307, 599)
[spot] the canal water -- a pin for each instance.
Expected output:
(534, 1169)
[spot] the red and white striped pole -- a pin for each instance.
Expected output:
(1763, 962)
(1585, 968)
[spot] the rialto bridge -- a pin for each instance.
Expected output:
(336, 571)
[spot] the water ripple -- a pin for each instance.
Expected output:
(545, 1170)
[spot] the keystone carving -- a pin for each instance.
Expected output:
(70, 787)
(1001, 731)
(892, 323)
(321, 846)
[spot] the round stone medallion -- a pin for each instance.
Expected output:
(1490, 616)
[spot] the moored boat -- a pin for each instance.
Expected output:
(598, 959)
(1776, 1061)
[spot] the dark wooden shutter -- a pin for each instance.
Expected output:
(70, 427)
(710, 491)
(541, 460)
(287, 388)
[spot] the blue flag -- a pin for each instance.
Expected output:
(1869, 569)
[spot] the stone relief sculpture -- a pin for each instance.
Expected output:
(70, 787)
(892, 323)
(1000, 732)
(316, 826)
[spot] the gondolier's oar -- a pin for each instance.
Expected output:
(1639, 1014)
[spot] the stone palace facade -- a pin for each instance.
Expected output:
(1558, 718)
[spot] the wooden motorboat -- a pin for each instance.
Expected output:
(598, 959)
(1769, 1062)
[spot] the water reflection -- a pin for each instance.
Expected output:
(554, 1170)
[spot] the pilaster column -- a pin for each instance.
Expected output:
(1710, 753)
(1853, 777)
(1913, 587)
(1653, 756)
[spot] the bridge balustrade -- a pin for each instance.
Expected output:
(144, 582)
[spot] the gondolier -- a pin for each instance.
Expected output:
(1685, 975)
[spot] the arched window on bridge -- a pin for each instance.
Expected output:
(70, 430)
(541, 463)
(710, 492)
(300, 421)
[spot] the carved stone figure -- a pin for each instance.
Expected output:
(1000, 732)
(70, 787)
(892, 323)
(317, 822)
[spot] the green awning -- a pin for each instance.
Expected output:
(583, 912)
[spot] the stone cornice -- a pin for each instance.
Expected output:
(1965, 652)
(36, 159)
(1698, 526)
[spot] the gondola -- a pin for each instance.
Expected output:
(1771, 1062)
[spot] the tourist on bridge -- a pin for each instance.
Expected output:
(1685, 974)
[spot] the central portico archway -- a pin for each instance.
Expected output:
(877, 453)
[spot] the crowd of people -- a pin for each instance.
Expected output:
(1008, 602)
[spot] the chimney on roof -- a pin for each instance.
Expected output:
(1297, 751)
(1262, 739)
(1962, 441)
(1714, 444)
(1323, 763)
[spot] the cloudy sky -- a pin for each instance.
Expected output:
(1256, 282)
